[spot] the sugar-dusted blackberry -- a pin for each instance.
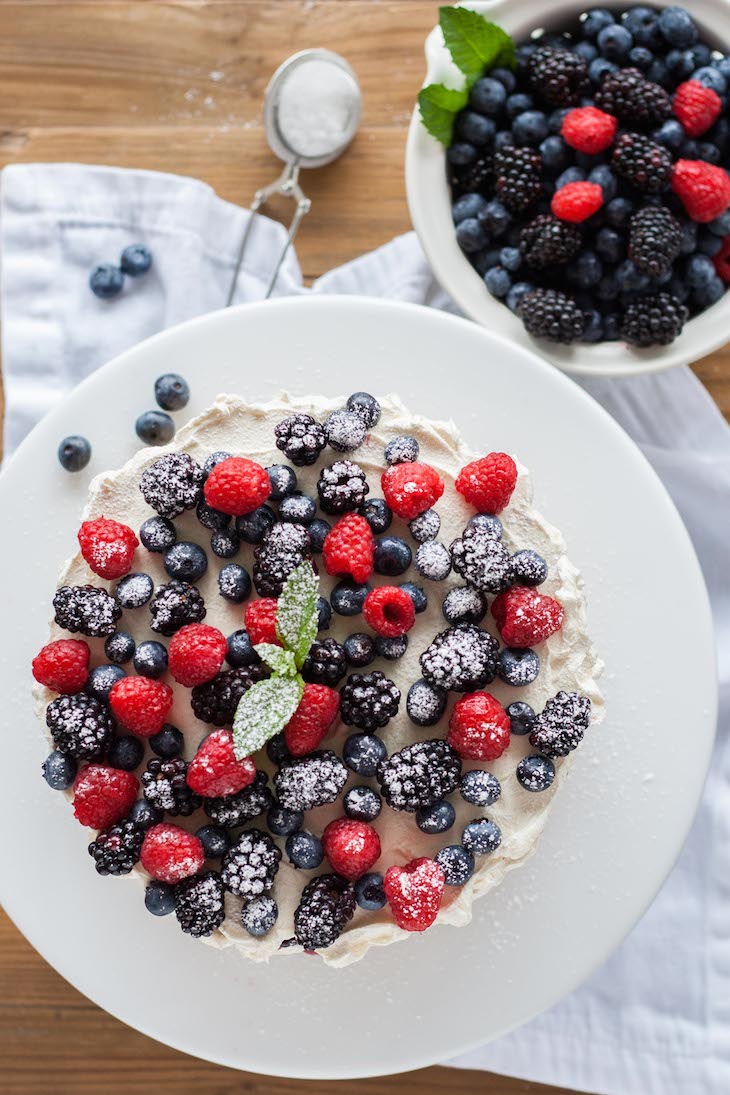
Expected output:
(300, 438)
(518, 178)
(482, 561)
(199, 904)
(547, 241)
(558, 75)
(326, 905)
(230, 811)
(249, 866)
(216, 701)
(86, 610)
(642, 162)
(464, 605)
(653, 320)
(303, 783)
(285, 547)
(172, 484)
(419, 775)
(342, 486)
(117, 850)
(325, 663)
(174, 605)
(344, 430)
(461, 659)
(548, 313)
(369, 700)
(655, 240)
(164, 786)
(80, 725)
(636, 101)
(560, 727)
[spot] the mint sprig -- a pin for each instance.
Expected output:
(439, 106)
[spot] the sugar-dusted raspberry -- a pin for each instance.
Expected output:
(352, 847)
(697, 107)
(196, 653)
(237, 486)
(107, 546)
(260, 620)
(525, 617)
(214, 770)
(722, 261)
(141, 705)
(488, 483)
(349, 548)
(389, 611)
(703, 189)
(103, 795)
(411, 488)
(577, 201)
(479, 727)
(170, 853)
(414, 893)
(588, 129)
(63, 666)
(312, 720)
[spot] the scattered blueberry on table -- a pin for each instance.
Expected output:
(74, 453)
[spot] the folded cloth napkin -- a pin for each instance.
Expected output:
(655, 1020)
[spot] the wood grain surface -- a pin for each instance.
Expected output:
(178, 87)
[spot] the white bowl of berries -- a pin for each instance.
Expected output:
(568, 179)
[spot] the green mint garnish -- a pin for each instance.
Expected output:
(278, 660)
(439, 106)
(263, 711)
(296, 616)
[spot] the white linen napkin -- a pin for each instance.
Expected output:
(655, 1020)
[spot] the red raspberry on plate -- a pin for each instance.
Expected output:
(411, 488)
(196, 653)
(577, 201)
(349, 548)
(722, 261)
(312, 720)
(389, 611)
(697, 107)
(488, 483)
(107, 546)
(588, 129)
(479, 727)
(525, 617)
(141, 705)
(214, 770)
(237, 486)
(103, 795)
(703, 189)
(414, 893)
(170, 853)
(352, 847)
(260, 620)
(63, 665)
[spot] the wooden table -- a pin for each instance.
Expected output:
(178, 87)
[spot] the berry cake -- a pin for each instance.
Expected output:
(315, 675)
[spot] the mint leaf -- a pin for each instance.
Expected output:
(474, 43)
(296, 615)
(263, 711)
(278, 660)
(438, 106)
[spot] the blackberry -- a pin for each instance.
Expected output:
(342, 486)
(482, 561)
(461, 659)
(174, 605)
(307, 782)
(172, 484)
(300, 438)
(636, 101)
(559, 729)
(642, 162)
(199, 904)
(117, 850)
(80, 725)
(655, 240)
(654, 320)
(285, 547)
(326, 905)
(548, 313)
(369, 700)
(164, 786)
(344, 430)
(216, 701)
(476, 178)
(234, 810)
(518, 178)
(249, 867)
(419, 775)
(558, 76)
(547, 241)
(86, 610)
(325, 663)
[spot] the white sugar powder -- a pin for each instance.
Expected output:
(316, 108)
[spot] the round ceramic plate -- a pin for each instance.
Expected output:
(615, 829)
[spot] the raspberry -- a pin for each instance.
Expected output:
(414, 893)
(479, 727)
(196, 653)
(237, 486)
(389, 611)
(577, 201)
(349, 548)
(312, 720)
(103, 795)
(697, 107)
(107, 546)
(63, 666)
(722, 261)
(215, 771)
(589, 130)
(411, 488)
(525, 617)
(260, 620)
(703, 189)
(352, 847)
(170, 854)
(488, 483)
(141, 704)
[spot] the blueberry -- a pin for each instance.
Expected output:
(377, 513)
(671, 135)
(518, 104)
(106, 281)
(708, 244)
(461, 154)
(369, 892)
(150, 659)
(521, 717)
(535, 773)
(614, 42)
(74, 452)
(157, 534)
(530, 128)
(556, 119)
(504, 139)
(605, 178)
(475, 128)
(554, 152)
(391, 649)
(436, 818)
(487, 521)
(225, 543)
(417, 594)
(498, 282)
(359, 649)
(721, 225)
(392, 556)
(426, 526)
(505, 77)
(234, 583)
(596, 19)
(144, 814)
(159, 898)
(297, 508)
(305, 850)
(252, 527)
(593, 330)
(610, 245)
(433, 561)
(481, 836)
(495, 219)
(678, 27)
(518, 667)
(709, 294)
(119, 647)
(530, 568)
(485, 260)
(172, 392)
(366, 407)
(362, 803)
(167, 742)
(722, 64)
(572, 175)
(700, 271)
(516, 293)
(457, 864)
(136, 259)
(347, 597)
(284, 822)
(479, 788)
(464, 605)
(586, 269)
(211, 518)
(608, 288)
(709, 152)
(59, 770)
(524, 53)
(283, 481)
(425, 703)
(619, 212)
(213, 460)
(276, 749)
(611, 326)
(185, 561)
(318, 530)
(641, 22)
(126, 753)
(630, 280)
(586, 50)
(102, 679)
(468, 206)
(215, 840)
(362, 752)
(134, 590)
(488, 96)
(690, 150)
(711, 77)
(402, 450)
(155, 428)
(658, 73)
(599, 69)
(240, 650)
(678, 287)
(640, 57)
(259, 915)
(324, 614)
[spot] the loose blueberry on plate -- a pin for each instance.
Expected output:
(59, 770)
(167, 742)
(157, 534)
(259, 915)
(518, 667)
(119, 647)
(159, 898)
(215, 840)
(392, 556)
(234, 583)
(359, 649)
(211, 518)
(298, 508)
(391, 649)
(240, 650)
(362, 803)
(489, 523)
(276, 749)
(74, 452)
(366, 407)
(136, 260)
(426, 526)
(417, 594)
(305, 850)
(457, 863)
(402, 450)
(369, 892)
(102, 679)
(134, 590)
(378, 515)
(185, 561)
(530, 569)
(324, 614)
(225, 543)
(126, 753)
(318, 530)
(347, 598)
(283, 481)
(535, 773)
(479, 788)
(521, 717)
(363, 752)
(481, 836)
(436, 818)
(106, 281)
(464, 605)
(144, 814)
(425, 703)
(433, 561)
(155, 428)
(150, 659)
(283, 822)
(172, 392)
(253, 526)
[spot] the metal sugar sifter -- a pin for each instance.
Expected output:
(312, 109)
